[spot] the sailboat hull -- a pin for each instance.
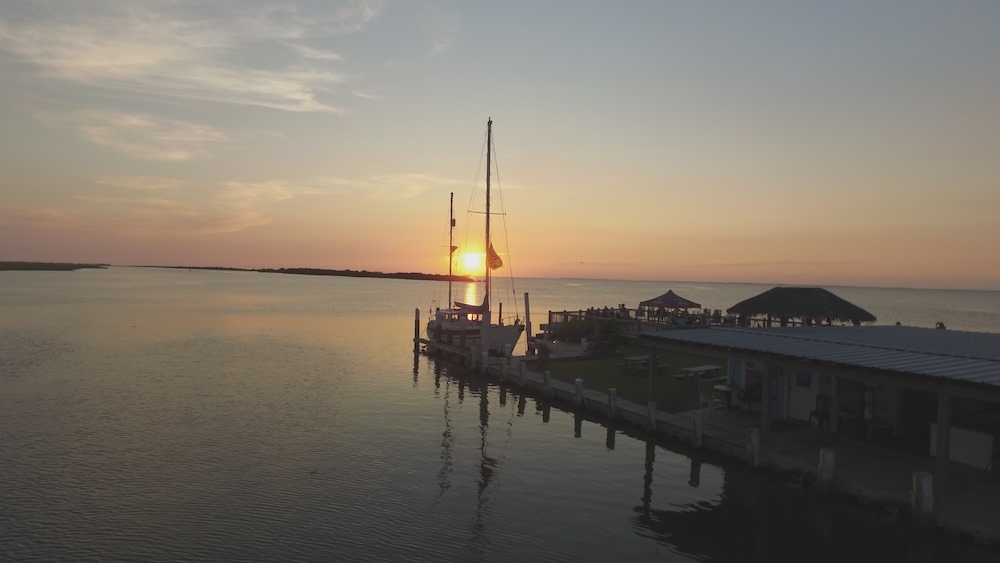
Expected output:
(468, 334)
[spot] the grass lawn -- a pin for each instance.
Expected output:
(600, 372)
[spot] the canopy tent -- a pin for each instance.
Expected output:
(804, 303)
(670, 300)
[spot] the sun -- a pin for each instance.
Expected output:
(472, 263)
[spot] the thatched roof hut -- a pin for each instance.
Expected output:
(806, 303)
(670, 300)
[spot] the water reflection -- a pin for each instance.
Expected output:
(647, 477)
(487, 468)
(694, 479)
(447, 436)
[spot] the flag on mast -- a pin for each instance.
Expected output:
(493, 259)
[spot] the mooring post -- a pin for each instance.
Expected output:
(527, 319)
(922, 499)
(578, 397)
(546, 383)
(651, 412)
(824, 473)
(520, 373)
(696, 435)
(416, 330)
(753, 446)
(612, 402)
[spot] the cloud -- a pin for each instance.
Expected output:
(140, 135)
(138, 216)
(145, 183)
(396, 186)
(273, 54)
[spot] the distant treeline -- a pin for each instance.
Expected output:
(61, 266)
(368, 274)
(306, 271)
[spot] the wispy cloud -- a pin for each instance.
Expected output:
(140, 135)
(143, 183)
(397, 186)
(275, 54)
(176, 216)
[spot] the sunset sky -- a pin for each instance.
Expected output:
(806, 142)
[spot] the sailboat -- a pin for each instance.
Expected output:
(470, 326)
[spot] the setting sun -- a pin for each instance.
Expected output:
(472, 263)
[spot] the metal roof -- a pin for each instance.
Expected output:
(972, 357)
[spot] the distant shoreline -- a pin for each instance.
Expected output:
(53, 266)
(367, 274)
(68, 267)
(322, 272)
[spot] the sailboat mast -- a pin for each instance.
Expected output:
(451, 241)
(489, 151)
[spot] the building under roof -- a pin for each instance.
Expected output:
(972, 357)
(929, 392)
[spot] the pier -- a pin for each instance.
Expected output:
(900, 483)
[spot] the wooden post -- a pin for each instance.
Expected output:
(825, 471)
(922, 499)
(612, 402)
(546, 383)
(696, 429)
(651, 412)
(520, 373)
(416, 330)
(578, 397)
(941, 456)
(527, 318)
(765, 417)
(652, 374)
(753, 447)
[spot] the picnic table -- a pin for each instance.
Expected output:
(636, 364)
(705, 371)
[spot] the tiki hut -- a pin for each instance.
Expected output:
(670, 300)
(800, 305)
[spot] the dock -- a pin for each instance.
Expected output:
(833, 464)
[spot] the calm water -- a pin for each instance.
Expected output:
(168, 415)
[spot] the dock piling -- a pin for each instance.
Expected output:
(578, 396)
(825, 470)
(753, 447)
(922, 499)
(696, 429)
(416, 330)
(612, 402)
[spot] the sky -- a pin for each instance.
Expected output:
(789, 142)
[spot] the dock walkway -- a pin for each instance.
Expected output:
(869, 473)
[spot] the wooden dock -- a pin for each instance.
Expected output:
(833, 463)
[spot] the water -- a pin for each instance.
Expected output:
(172, 415)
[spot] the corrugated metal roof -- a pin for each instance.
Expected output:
(965, 356)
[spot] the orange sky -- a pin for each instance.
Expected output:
(821, 144)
